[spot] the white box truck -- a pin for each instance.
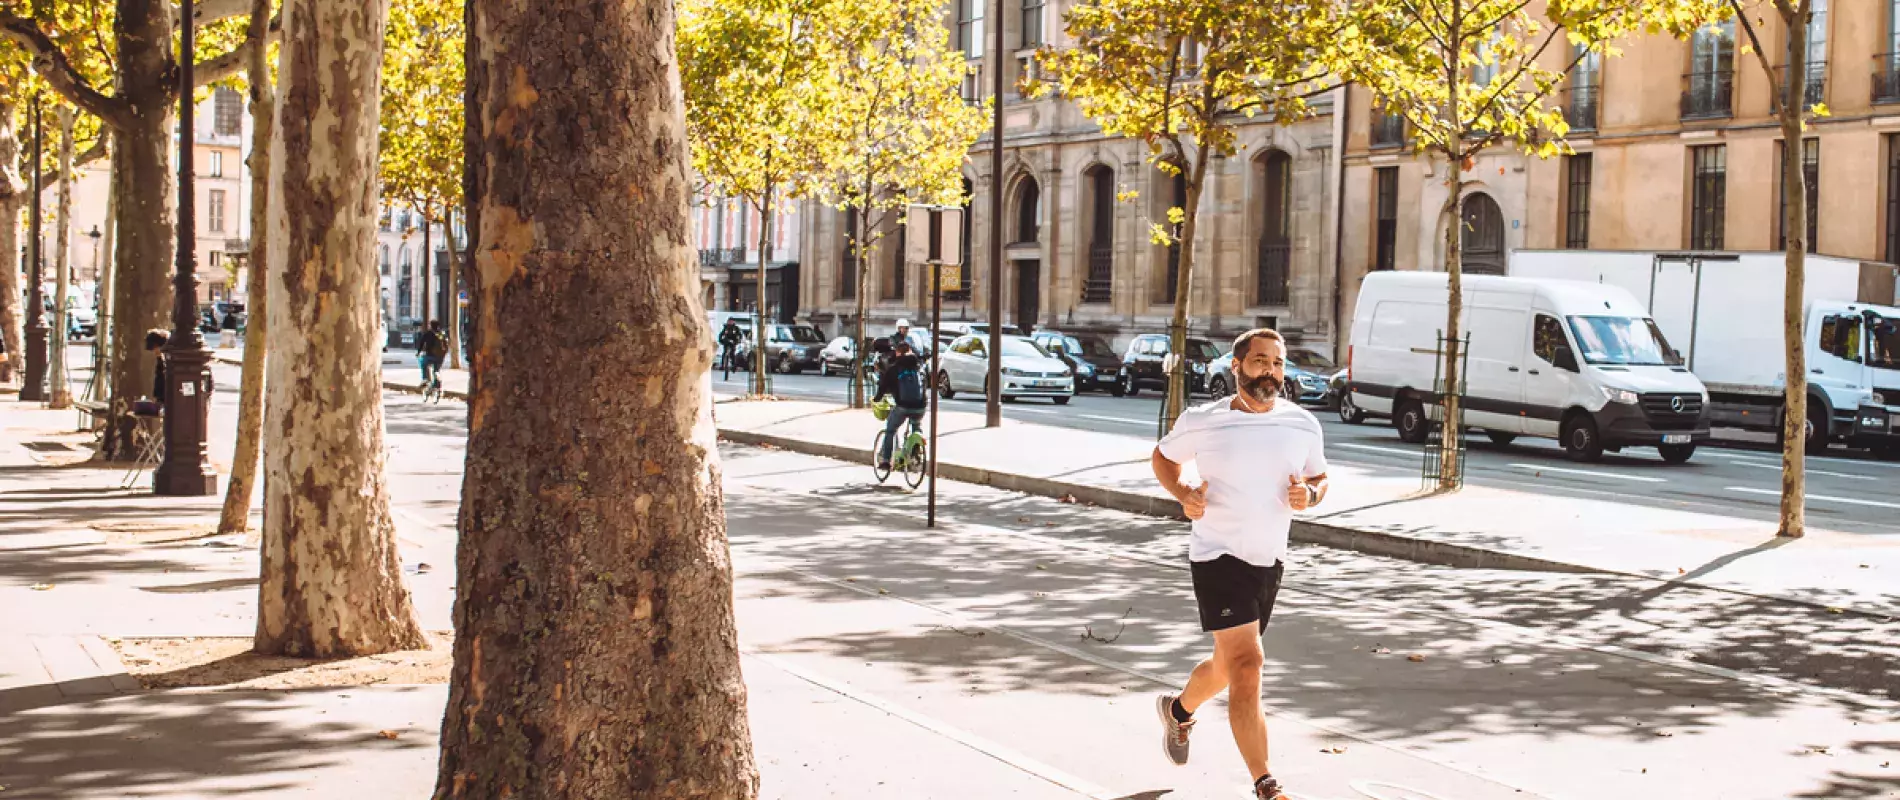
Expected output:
(1724, 310)
(1578, 362)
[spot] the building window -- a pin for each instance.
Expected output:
(1581, 96)
(1100, 285)
(1893, 195)
(1032, 23)
(227, 112)
(970, 27)
(385, 258)
(848, 265)
(894, 288)
(1710, 84)
(387, 217)
(215, 218)
(1811, 175)
(1273, 270)
(1708, 196)
(217, 163)
(1577, 203)
(1028, 200)
(1388, 130)
(1385, 232)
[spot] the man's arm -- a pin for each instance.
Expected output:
(1193, 499)
(1304, 493)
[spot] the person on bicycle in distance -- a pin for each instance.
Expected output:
(903, 381)
(431, 347)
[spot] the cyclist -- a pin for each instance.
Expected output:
(431, 347)
(903, 380)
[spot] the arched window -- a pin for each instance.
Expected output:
(384, 258)
(1028, 210)
(1273, 269)
(1098, 232)
(1483, 236)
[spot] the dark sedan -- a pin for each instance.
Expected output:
(1097, 366)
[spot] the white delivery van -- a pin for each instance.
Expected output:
(1724, 311)
(1578, 362)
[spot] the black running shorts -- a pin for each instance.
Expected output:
(1233, 592)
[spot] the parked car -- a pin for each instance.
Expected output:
(1028, 370)
(956, 329)
(792, 349)
(1095, 363)
(837, 357)
(1339, 398)
(1144, 363)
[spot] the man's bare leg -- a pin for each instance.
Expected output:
(1236, 663)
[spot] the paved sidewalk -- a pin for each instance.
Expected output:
(1384, 513)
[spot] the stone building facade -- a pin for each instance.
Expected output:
(1078, 260)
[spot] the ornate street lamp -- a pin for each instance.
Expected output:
(186, 471)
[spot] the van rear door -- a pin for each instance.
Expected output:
(1494, 386)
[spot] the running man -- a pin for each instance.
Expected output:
(1260, 459)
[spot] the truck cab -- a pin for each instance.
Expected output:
(1853, 354)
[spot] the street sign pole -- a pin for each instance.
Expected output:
(936, 361)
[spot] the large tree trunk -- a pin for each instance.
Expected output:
(102, 334)
(452, 313)
(595, 654)
(62, 385)
(1794, 222)
(12, 201)
(332, 578)
(237, 492)
(146, 185)
(1183, 286)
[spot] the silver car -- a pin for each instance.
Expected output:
(1027, 370)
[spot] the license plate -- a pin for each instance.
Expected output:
(1048, 384)
(1675, 438)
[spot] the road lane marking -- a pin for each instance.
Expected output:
(1591, 473)
(974, 742)
(1101, 418)
(1822, 497)
(1775, 458)
(1373, 448)
(1777, 468)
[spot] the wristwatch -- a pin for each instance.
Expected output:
(1312, 495)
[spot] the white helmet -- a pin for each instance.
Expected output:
(903, 323)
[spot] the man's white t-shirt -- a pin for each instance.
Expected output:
(1246, 460)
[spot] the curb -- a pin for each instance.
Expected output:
(1370, 542)
(389, 385)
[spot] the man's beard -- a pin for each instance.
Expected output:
(1262, 389)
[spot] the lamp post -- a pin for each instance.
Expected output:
(186, 472)
(95, 235)
(993, 403)
(34, 389)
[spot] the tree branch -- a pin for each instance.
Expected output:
(50, 62)
(1761, 55)
(93, 153)
(205, 12)
(224, 67)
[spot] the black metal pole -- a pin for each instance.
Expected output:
(936, 365)
(186, 471)
(34, 388)
(993, 402)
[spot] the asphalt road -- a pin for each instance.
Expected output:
(1847, 491)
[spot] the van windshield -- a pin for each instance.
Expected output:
(1623, 341)
(1883, 350)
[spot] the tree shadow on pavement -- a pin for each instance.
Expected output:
(198, 744)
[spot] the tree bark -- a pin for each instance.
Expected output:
(108, 278)
(595, 654)
(452, 312)
(331, 575)
(12, 201)
(1183, 285)
(61, 395)
(236, 515)
(1794, 222)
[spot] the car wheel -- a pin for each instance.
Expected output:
(1581, 440)
(1501, 438)
(1117, 389)
(1411, 421)
(1349, 412)
(944, 389)
(1817, 429)
(1132, 388)
(824, 369)
(1676, 453)
(1062, 401)
(1217, 387)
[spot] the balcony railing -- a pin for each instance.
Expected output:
(715, 256)
(1887, 78)
(1388, 130)
(1100, 286)
(1708, 95)
(1816, 83)
(1580, 107)
(1274, 273)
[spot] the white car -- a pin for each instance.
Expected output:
(837, 357)
(1028, 370)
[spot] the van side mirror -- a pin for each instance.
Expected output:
(1567, 359)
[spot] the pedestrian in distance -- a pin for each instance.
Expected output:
(1260, 458)
(155, 341)
(431, 348)
(903, 382)
(729, 338)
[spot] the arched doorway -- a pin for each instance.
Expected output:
(1024, 256)
(1273, 270)
(1483, 236)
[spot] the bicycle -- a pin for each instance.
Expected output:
(910, 458)
(432, 386)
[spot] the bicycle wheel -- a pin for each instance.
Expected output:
(915, 465)
(882, 471)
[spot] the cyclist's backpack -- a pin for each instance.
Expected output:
(910, 389)
(435, 344)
